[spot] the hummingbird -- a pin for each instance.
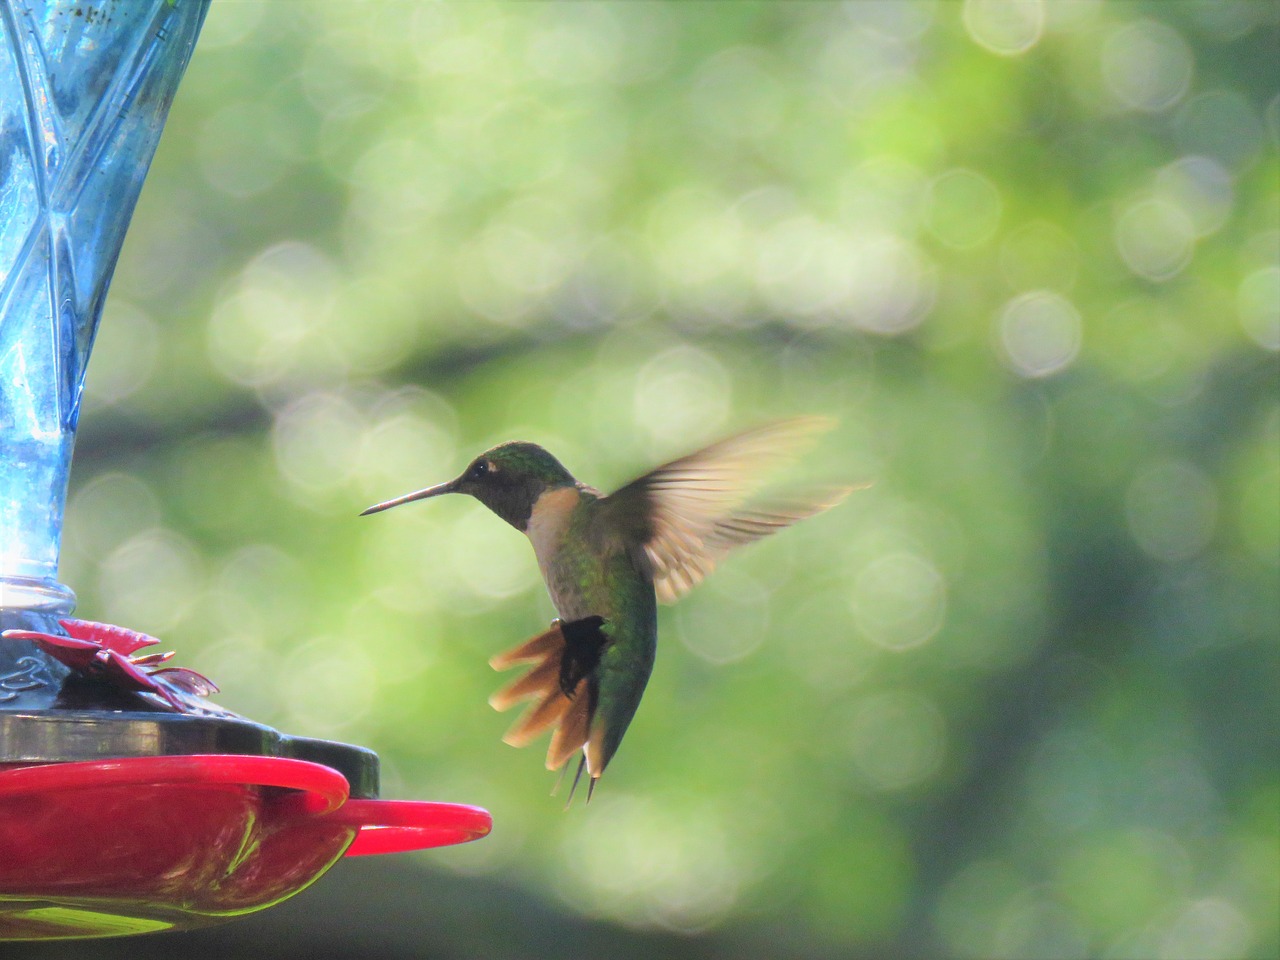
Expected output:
(608, 559)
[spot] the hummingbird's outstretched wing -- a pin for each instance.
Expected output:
(690, 512)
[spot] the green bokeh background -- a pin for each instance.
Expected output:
(1020, 697)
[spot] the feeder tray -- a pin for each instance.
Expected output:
(122, 812)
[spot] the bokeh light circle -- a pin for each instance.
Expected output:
(1040, 333)
(151, 580)
(728, 620)
(899, 600)
(1212, 928)
(109, 509)
(1147, 66)
(1156, 239)
(897, 739)
(1201, 188)
(1221, 124)
(1172, 508)
(1258, 303)
(317, 439)
(1006, 27)
(962, 208)
(681, 393)
(328, 685)
(267, 321)
(487, 561)
(124, 355)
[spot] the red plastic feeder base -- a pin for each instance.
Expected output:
(113, 847)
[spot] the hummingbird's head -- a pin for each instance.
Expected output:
(508, 479)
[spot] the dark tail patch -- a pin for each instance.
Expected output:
(584, 640)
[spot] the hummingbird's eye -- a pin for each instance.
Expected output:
(478, 470)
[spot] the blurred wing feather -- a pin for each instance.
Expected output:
(690, 512)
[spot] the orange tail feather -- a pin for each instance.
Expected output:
(533, 649)
(571, 718)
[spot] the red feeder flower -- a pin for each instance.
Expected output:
(107, 652)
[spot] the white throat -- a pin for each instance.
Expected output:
(548, 521)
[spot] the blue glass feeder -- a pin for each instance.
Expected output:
(92, 734)
(84, 92)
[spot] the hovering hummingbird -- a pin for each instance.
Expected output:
(606, 561)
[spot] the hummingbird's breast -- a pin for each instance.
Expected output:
(591, 570)
(578, 564)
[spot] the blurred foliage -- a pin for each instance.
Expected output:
(1018, 698)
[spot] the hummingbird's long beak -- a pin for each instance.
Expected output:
(435, 491)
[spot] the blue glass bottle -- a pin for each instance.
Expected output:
(84, 91)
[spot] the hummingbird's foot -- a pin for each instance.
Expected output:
(576, 777)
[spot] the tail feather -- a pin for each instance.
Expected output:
(594, 751)
(535, 683)
(548, 712)
(573, 731)
(532, 650)
(571, 717)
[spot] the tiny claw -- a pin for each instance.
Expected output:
(560, 779)
(582, 762)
